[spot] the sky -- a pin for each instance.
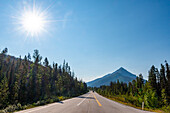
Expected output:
(95, 37)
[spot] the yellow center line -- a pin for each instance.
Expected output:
(97, 100)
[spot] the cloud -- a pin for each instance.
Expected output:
(66, 16)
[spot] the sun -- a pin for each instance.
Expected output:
(32, 20)
(33, 23)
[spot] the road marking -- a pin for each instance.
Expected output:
(82, 101)
(36, 108)
(112, 101)
(97, 100)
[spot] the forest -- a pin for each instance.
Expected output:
(33, 81)
(155, 93)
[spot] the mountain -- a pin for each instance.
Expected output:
(121, 74)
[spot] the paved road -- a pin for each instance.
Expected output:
(87, 103)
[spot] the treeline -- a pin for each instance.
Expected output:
(28, 80)
(155, 92)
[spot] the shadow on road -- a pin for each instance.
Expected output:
(61, 102)
(85, 97)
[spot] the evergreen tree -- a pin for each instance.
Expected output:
(164, 97)
(4, 92)
(152, 77)
(23, 81)
(5, 51)
(141, 81)
(168, 79)
(29, 57)
(163, 80)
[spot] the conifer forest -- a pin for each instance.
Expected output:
(32, 80)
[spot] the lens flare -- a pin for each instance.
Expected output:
(33, 20)
(33, 23)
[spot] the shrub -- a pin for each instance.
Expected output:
(2, 111)
(150, 99)
(166, 109)
(37, 103)
(24, 107)
(42, 102)
(11, 108)
(61, 98)
(55, 99)
(51, 100)
(19, 107)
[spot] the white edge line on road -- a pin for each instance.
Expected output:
(112, 101)
(82, 101)
(42, 107)
(35, 109)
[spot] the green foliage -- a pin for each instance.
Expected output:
(24, 81)
(154, 93)
(166, 109)
(150, 99)
(2, 111)
(60, 98)
(164, 98)
(10, 108)
(4, 92)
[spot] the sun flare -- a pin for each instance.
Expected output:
(32, 20)
(33, 23)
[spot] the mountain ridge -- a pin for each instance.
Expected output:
(121, 74)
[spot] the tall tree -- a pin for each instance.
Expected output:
(152, 77)
(163, 80)
(4, 92)
(23, 81)
(141, 81)
(168, 78)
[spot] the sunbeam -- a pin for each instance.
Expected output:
(33, 20)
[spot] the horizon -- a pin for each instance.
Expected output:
(97, 76)
(94, 37)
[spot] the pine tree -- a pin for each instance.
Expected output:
(141, 81)
(168, 79)
(163, 80)
(29, 57)
(23, 81)
(4, 92)
(5, 51)
(46, 62)
(152, 78)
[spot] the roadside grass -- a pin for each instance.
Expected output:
(19, 107)
(122, 101)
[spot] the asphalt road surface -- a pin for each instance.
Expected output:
(87, 103)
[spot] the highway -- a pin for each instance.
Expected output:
(87, 103)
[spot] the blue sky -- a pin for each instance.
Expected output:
(96, 37)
